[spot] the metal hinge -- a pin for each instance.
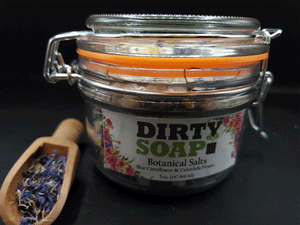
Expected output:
(55, 68)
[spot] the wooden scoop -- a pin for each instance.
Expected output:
(68, 132)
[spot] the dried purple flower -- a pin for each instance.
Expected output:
(40, 188)
(28, 220)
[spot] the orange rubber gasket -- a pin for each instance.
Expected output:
(172, 62)
(134, 65)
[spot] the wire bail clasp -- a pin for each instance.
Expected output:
(266, 35)
(266, 83)
(55, 68)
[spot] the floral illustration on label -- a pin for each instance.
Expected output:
(112, 156)
(233, 125)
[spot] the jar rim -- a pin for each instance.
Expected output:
(173, 24)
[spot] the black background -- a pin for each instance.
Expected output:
(264, 188)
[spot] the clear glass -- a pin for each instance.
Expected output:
(164, 25)
(175, 46)
(132, 98)
(195, 92)
(194, 69)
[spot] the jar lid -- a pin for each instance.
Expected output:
(172, 25)
(192, 36)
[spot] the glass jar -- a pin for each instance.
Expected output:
(166, 95)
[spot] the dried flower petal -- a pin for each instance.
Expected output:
(28, 220)
(39, 191)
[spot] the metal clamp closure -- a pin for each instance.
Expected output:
(266, 79)
(55, 68)
(267, 34)
(266, 83)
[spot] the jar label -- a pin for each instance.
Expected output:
(170, 149)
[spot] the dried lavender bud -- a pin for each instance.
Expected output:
(40, 188)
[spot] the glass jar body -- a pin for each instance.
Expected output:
(101, 104)
(166, 95)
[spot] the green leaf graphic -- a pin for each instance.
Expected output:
(209, 138)
(116, 152)
(130, 161)
(216, 136)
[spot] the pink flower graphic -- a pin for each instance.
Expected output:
(113, 162)
(233, 125)
(109, 124)
(112, 155)
(108, 152)
(237, 122)
(232, 154)
(226, 120)
(106, 131)
(130, 170)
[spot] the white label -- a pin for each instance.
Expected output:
(170, 149)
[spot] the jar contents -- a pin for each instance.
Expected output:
(40, 188)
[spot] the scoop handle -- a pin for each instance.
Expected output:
(69, 129)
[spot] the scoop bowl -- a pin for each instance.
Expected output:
(63, 141)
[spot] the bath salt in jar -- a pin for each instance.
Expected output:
(166, 95)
